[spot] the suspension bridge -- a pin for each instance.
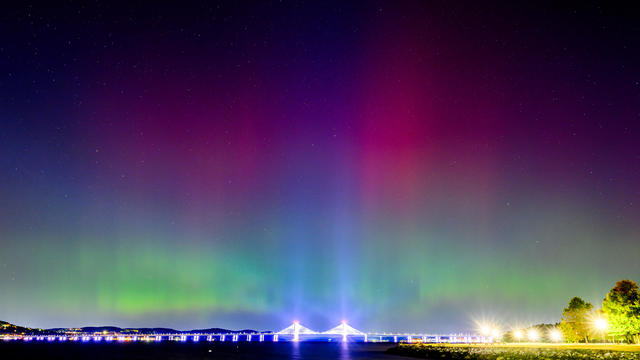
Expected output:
(293, 333)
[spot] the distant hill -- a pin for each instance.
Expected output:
(8, 328)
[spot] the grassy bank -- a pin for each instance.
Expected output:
(519, 351)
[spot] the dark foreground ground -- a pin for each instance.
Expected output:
(519, 351)
(171, 350)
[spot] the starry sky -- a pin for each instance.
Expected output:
(403, 165)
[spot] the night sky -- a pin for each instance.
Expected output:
(404, 166)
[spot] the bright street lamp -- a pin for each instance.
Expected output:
(533, 335)
(518, 335)
(555, 335)
(601, 324)
(485, 330)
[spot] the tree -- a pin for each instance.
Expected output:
(622, 309)
(574, 324)
(569, 334)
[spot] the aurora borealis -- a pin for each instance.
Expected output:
(403, 165)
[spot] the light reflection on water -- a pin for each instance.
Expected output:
(345, 354)
(333, 350)
(295, 352)
(210, 350)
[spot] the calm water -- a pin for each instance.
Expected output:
(265, 351)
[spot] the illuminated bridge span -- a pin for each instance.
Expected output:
(345, 332)
(295, 332)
